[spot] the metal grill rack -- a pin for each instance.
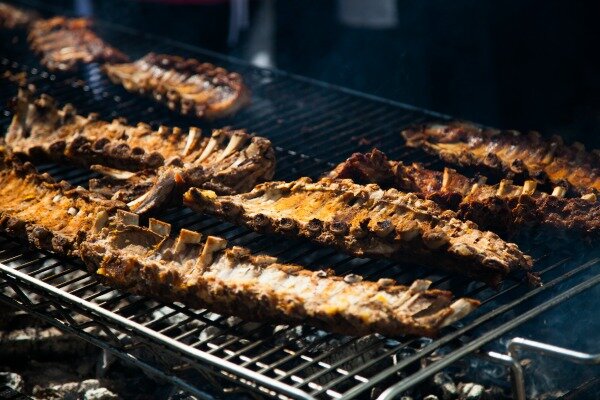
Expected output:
(313, 125)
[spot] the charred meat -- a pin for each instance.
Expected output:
(367, 221)
(503, 208)
(532, 156)
(206, 272)
(12, 17)
(139, 163)
(65, 43)
(184, 85)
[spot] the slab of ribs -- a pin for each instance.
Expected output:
(367, 221)
(66, 43)
(187, 86)
(546, 161)
(504, 208)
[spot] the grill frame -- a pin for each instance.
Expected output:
(567, 277)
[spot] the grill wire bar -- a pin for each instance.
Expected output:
(519, 344)
(312, 126)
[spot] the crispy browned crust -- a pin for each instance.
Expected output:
(543, 160)
(368, 221)
(65, 43)
(49, 215)
(229, 161)
(504, 208)
(184, 85)
(13, 17)
(207, 274)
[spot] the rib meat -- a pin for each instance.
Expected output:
(184, 85)
(208, 273)
(503, 208)
(52, 216)
(12, 17)
(543, 160)
(368, 221)
(65, 43)
(139, 162)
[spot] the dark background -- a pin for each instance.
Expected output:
(510, 64)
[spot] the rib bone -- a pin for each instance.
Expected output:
(559, 191)
(112, 172)
(128, 218)
(193, 138)
(211, 246)
(159, 227)
(215, 140)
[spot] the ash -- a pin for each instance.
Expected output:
(42, 362)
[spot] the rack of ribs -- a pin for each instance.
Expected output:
(65, 43)
(50, 215)
(144, 167)
(184, 85)
(504, 208)
(366, 221)
(509, 152)
(205, 271)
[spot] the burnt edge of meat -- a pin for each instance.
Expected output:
(207, 272)
(504, 208)
(228, 161)
(155, 70)
(65, 43)
(366, 221)
(545, 160)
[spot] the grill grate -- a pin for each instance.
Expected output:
(313, 126)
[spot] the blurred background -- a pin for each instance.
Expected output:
(512, 64)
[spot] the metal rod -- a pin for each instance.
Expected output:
(517, 375)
